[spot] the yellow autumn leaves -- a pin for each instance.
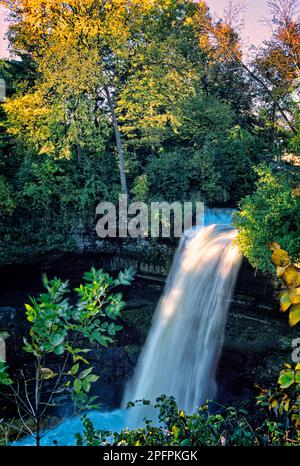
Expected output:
(290, 274)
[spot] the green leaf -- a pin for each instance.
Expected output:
(85, 373)
(77, 386)
(185, 443)
(74, 369)
(126, 277)
(92, 378)
(86, 386)
(59, 350)
(287, 378)
(285, 302)
(57, 340)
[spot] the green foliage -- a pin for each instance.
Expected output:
(227, 427)
(167, 176)
(7, 203)
(186, 119)
(270, 214)
(4, 377)
(140, 188)
(283, 404)
(54, 320)
(204, 117)
(49, 202)
(58, 329)
(177, 429)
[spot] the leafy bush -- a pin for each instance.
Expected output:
(55, 343)
(270, 214)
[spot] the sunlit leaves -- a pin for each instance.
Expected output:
(291, 276)
(52, 318)
(294, 316)
(294, 296)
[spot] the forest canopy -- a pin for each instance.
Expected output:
(153, 98)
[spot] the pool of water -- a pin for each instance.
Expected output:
(64, 433)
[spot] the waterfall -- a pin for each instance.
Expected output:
(181, 353)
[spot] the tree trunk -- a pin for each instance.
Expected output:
(118, 142)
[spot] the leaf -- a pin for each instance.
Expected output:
(285, 302)
(294, 296)
(297, 377)
(47, 374)
(92, 378)
(280, 258)
(294, 316)
(280, 271)
(74, 369)
(85, 373)
(126, 277)
(287, 378)
(185, 443)
(59, 350)
(77, 386)
(86, 386)
(291, 277)
(273, 403)
(6, 381)
(57, 340)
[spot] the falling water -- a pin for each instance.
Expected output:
(181, 353)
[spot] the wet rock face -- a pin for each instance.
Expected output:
(258, 340)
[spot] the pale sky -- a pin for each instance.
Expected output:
(254, 32)
(255, 11)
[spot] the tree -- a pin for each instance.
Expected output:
(278, 63)
(79, 50)
(56, 328)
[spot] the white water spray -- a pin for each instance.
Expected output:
(182, 350)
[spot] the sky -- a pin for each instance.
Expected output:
(255, 32)
(255, 11)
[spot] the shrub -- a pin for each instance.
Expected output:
(270, 214)
(58, 330)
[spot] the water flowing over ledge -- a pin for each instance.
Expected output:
(181, 353)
